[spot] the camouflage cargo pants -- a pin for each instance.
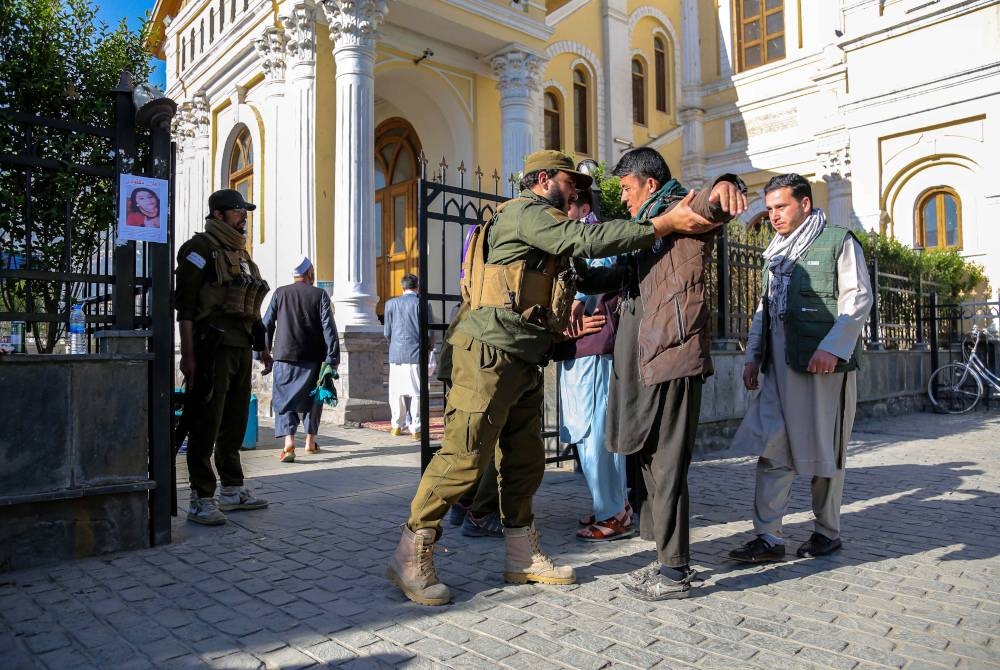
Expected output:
(496, 399)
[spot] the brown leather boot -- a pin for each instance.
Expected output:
(526, 562)
(412, 568)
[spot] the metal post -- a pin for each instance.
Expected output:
(158, 114)
(874, 323)
(932, 318)
(123, 294)
(920, 345)
(722, 283)
(422, 274)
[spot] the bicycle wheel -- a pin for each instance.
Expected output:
(954, 388)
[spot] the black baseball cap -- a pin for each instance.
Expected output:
(228, 198)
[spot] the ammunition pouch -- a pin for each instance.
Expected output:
(543, 298)
(239, 291)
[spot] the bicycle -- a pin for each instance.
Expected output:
(956, 388)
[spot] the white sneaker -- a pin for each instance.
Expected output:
(205, 511)
(239, 497)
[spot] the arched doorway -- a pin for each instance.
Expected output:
(396, 174)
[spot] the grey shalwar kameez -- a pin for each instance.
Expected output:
(800, 423)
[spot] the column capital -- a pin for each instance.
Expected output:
(354, 22)
(519, 71)
(270, 48)
(182, 127)
(299, 22)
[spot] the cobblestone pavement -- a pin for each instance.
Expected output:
(301, 584)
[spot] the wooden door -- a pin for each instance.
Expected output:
(396, 178)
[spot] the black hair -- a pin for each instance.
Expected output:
(643, 163)
(799, 185)
(530, 179)
(409, 281)
(135, 207)
(585, 196)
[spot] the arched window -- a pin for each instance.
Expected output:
(660, 72)
(638, 92)
(241, 174)
(211, 25)
(581, 109)
(222, 15)
(183, 53)
(192, 46)
(201, 36)
(760, 32)
(553, 122)
(939, 219)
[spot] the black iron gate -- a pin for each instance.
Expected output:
(58, 247)
(446, 214)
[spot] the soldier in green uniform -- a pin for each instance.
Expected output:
(516, 295)
(218, 297)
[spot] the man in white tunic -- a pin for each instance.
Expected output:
(402, 329)
(802, 354)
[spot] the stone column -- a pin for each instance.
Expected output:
(200, 178)
(298, 162)
(182, 129)
(836, 172)
(691, 115)
(353, 30)
(617, 96)
(270, 48)
(519, 72)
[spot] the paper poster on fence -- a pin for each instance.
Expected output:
(142, 212)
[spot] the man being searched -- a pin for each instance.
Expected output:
(219, 293)
(802, 353)
(302, 339)
(519, 287)
(661, 360)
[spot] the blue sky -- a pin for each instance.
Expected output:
(112, 11)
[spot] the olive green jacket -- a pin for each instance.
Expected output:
(530, 229)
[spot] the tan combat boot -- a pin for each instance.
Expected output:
(526, 562)
(412, 568)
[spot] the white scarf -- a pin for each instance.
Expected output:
(783, 253)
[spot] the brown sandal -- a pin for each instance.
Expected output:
(287, 456)
(609, 529)
(590, 520)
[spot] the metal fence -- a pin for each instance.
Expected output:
(59, 195)
(57, 226)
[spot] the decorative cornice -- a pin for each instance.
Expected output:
(835, 163)
(354, 22)
(519, 72)
(270, 49)
(299, 22)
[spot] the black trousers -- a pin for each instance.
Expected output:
(664, 460)
(219, 425)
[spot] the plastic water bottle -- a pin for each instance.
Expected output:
(77, 330)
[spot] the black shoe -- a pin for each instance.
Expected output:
(818, 545)
(758, 550)
(456, 515)
(657, 587)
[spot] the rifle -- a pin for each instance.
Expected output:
(207, 340)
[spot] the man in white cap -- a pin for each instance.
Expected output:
(301, 336)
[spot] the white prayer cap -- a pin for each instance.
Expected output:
(302, 266)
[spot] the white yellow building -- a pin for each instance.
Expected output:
(318, 111)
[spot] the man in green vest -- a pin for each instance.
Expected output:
(516, 289)
(802, 354)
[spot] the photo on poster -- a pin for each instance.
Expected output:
(143, 209)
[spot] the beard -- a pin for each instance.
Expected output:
(555, 196)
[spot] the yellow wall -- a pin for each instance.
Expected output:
(488, 149)
(326, 106)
